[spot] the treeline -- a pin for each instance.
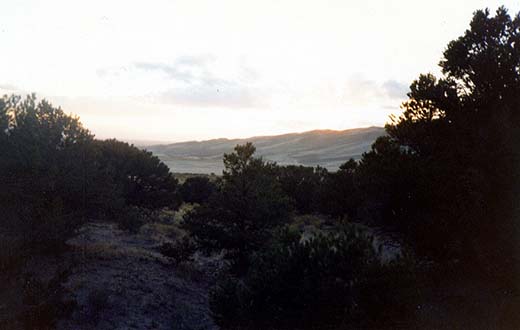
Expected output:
(54, 177)
(276, 278)
(444, 181)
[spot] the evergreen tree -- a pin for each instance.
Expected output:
(240, 216)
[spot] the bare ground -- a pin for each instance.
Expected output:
(120, 281)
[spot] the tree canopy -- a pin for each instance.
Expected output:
(55, 175)
(459, 136)
(238, 218)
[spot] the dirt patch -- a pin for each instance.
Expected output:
(121, 281)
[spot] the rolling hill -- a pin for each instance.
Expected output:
(326, 148)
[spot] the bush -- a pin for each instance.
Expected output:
(197, 189)
(302, 185)
(132, 218)
(54, 178)
(140, 177)
(328, 281)
(239, 218)
(180, 251)
(47, 172)
(44, 303)
(339, 195)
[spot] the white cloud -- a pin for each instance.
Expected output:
(9, 88)
(188, 67)
(188, 81)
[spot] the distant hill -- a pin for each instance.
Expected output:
(326, 148)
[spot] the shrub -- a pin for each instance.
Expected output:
(132, 218)
(140, 177)
(302, 184)
(47, 173)
(241, 215)
(197, 189)
(44, 302)
(339, 195)
(180, 251)
(328, 281)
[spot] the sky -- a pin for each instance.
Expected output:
(166, 70)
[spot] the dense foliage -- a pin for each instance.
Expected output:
(302, 185)
(316, 190)
(48, 173)
(240, 216)
(454, 151)
(197, 189)
(443, 181)
(445, 177)
(339, 194)
(142, 179)
(326, 282)
(54, 177)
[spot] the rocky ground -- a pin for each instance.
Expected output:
(121, 281)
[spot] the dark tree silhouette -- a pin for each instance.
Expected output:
(240, 216)
(55, 175)
(47, 170)
(143, 180)
(334, 281)
(338, 194)
(455, 159)
(302, 184)
(197, 189)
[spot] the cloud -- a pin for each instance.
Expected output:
(196, 84)
(361, 91)
(185, 69)
(222, 94)
(110, 72)
(197, 81)
(9, 88)
(197, 60)
(175, 72)
(395, 89)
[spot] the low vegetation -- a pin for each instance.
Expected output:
(54, 178)
(441, 185)
(325, 282)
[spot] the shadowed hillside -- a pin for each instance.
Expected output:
(326, 148)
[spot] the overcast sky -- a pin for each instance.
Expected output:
(181, 70)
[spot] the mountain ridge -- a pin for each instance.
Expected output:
(327, 148)
(261, 136)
